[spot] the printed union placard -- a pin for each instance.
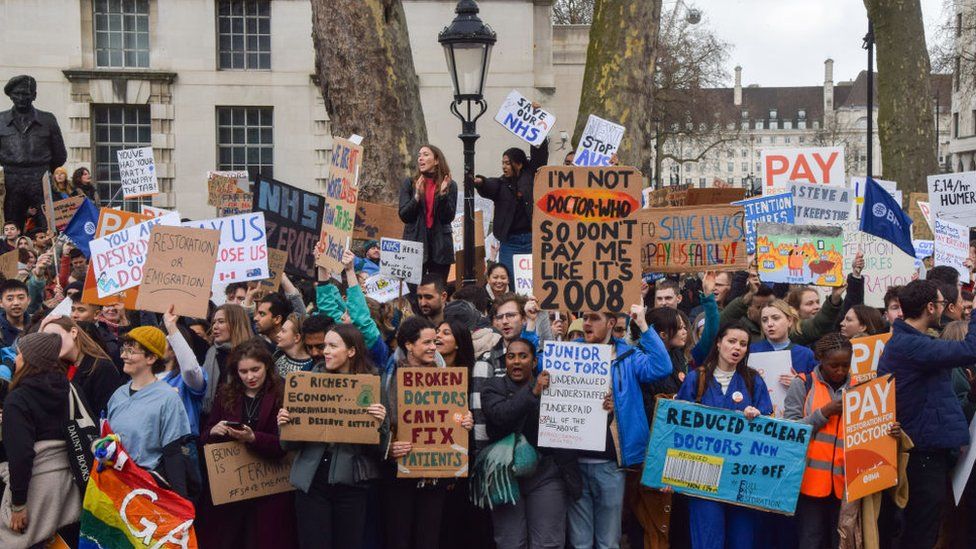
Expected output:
(870, 455)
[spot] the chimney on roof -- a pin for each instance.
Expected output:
(738, 86)
(828, 87)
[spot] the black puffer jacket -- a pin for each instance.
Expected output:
(513, 196)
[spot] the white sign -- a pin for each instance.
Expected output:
(62, 310)
(964, 466)
(600, 140)
(383, 289)
(523, 273)
(117, 258)
(137, 170)
(243, 251)
(816, 204)
(402, 259)
(821, 165)
(518, 117)
(926, 212)
(952, 194)
(571, 413)
(885, 264)
(859, 183)
(156, 212)
(770, 366)
(923, 248)
(952, 246)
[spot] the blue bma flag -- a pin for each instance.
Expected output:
(81, 228)
(883, 217)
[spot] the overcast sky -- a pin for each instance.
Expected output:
(785, 42)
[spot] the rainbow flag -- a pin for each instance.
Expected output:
(125, 507)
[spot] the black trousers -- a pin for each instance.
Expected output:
(412, 515)
(330, 516)
(928, 481)
(816, 520)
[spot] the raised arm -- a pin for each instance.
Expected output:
(190, 368)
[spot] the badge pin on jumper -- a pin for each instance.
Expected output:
(737, 397)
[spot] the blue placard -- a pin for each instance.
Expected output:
(775, 208)
(720, 455)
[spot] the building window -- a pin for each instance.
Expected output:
(244, 34)
(801, 139)
(956, 76)
(958, 24)
(758, 166)
(245, 139)
(772, 114)
(730, 153)
(687, 181)
(745, 153)
(801, 114)
(701, 182)
(759, 124)
(973, 130)
(744, 125)
(730, 167)
(118, 127)
(787, 139)
(745, 166)
(816, 124)
(955, 124)
(121, 33)
(772, 139)
(801, 125)
(745, 114)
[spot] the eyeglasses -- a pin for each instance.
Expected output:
(131, 350)
(506, 316)
(940, 302)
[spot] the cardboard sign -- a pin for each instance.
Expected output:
(226, 182)
(952, 246)
(179, 270)
(457, 230)
(479, 266)
(817, 204)
(276, 268)
(865, 355)
(858, 184)
(339, 212)
(797, 254)
(237, 473)
(8, 264)
(674, 195)
(885, 264)
(293, 218)
(402, 259)
(600, 140)
(519, 117)
(327, 407)
(375, 221)
(693, 239)
(870, 455)
(683, 195)
(243, 252)
(110, 221)
(571, 413)
(585, 238)
(523, 273)
(234, 204)
(771, 365)
(774, 208)
(152, 211)
(952, 193)
(64, 210)
(820, 165)
(118, 258)
(718, 454)
(384, 289)
(137, 171)
(430, 405)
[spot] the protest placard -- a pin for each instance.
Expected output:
(152, 211)
(952, 246)
(964, 465)
(523, 273)
(600, 140)
(771, 365)
(327, 407)
(276, 268)
(225, 182)
(234, 204)
(870, 455)
(923, 249)
(952, 193)
(179, 270)
(457, 230)
(673, 195)
(800, 254)
(865, 354)
(885, 264)
(820, 165)
(585, 239)
(243, 251)
(571, 413)
(718, 454)
(64, 210)
(431, 402)
(479, 266)
(859, 184)
(518, 116)
(110, 221)
(293, 218)
(339, 211)
(8, 264)
(237, 473)
(817, 204)
(773, 208)
(719, 195)
(375, 221)
(118, 258)
(137, 172)
(692, 239)
(384, 289)
(402, 259)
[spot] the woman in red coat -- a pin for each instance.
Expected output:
(246, 411)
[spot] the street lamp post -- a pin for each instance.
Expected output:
(869, 45)
(467, 46)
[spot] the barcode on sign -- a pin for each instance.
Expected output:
(690, 470)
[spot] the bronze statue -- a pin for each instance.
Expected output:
(30, 145)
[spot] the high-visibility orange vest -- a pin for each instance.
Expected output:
(825, 456)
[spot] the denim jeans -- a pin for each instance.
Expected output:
(516, 244)
(594, 519)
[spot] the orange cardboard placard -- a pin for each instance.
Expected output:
(870, 455)
(864, 358)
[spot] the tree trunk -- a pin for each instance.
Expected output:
(365, 71)
(906, 126)
(619, 75)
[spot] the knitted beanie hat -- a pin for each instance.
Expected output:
(40, 348)
(153, 339)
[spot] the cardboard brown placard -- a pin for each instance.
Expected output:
(8, 264)
(331, 408)
(920, 227)
(110, 221)
(585, 238)
(237, 474)
(430, 405)
(218, 185)
(479, 266)
(64, 210)
(341, 195)
(179, 270)
(723, 195)
(234, 203)
(276, 266)
(693, 239)
(376, 221)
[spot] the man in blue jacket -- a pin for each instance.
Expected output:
(927, 407)
(594, 519)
